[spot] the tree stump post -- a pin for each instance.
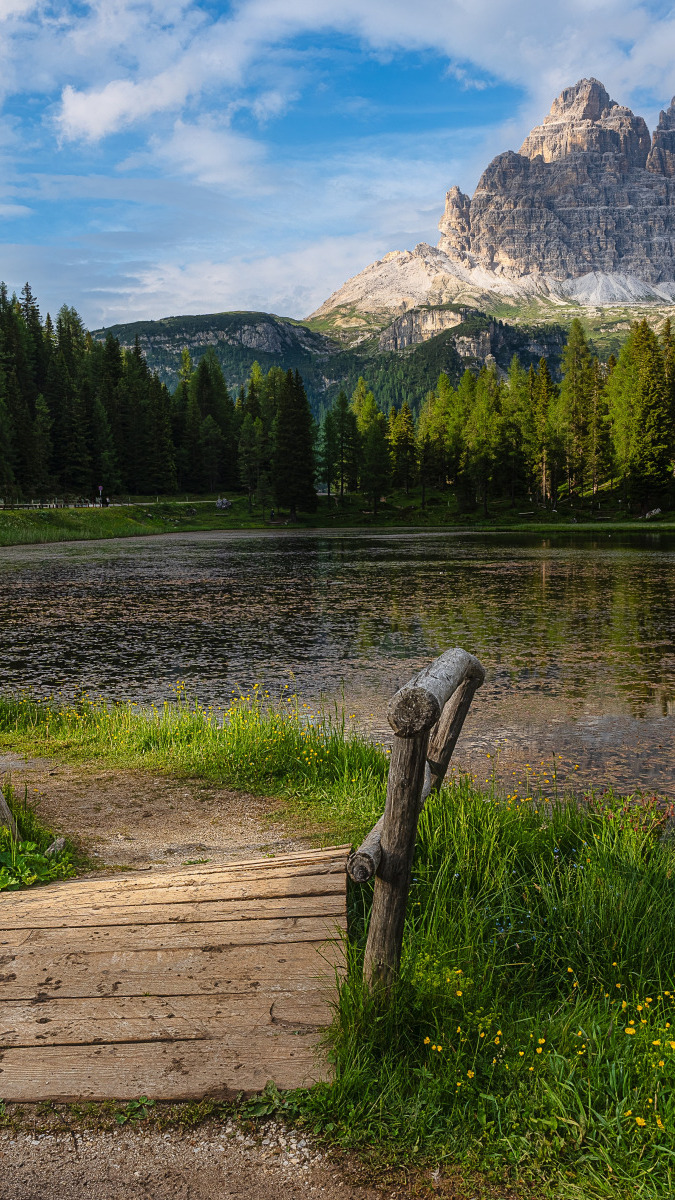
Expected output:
(426, 716)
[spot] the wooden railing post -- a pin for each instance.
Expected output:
(426, 716)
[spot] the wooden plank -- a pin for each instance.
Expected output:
(323, 863)
(159, 914)
(179, 1070)
(200, 935)
(119, 1019)
(74, 909)
(241, 970)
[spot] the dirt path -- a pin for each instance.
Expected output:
(138, 820)
(211, 1162)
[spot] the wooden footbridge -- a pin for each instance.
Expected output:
(215, 980)
(206, 981)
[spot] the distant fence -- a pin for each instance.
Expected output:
(426, 716)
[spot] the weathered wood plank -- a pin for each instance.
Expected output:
(133, 888)
(294, 966)
(60, 909)
(209, 909)
(119, 1019)
(200, 935)
(180, 1070)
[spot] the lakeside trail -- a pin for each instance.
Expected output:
(136, 820)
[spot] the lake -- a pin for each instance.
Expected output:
(577, 632)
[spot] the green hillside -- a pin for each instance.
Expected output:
(326, 364)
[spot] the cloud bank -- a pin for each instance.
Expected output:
(156, 160)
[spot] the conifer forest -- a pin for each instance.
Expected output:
(78, 415)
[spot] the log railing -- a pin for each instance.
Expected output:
(426, 716)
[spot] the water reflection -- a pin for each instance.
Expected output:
(578, 635)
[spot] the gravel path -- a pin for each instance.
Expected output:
(211, 1162)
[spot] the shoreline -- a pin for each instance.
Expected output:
(22, 527)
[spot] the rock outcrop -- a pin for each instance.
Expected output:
(584, 212)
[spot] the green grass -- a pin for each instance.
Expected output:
(531, 1034)
(442, 510)
(23, 862)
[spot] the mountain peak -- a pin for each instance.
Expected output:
(582, 120)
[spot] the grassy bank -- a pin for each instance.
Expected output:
(441, 510)
(23, 861)
(532, 1032)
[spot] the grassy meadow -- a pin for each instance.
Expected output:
(531, 1035)
(143, 516)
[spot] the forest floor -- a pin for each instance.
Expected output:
(143, 516)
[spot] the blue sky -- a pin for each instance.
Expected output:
(166, 156)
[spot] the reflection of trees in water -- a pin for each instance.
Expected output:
(578, 622)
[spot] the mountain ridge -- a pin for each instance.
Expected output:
(583, 214)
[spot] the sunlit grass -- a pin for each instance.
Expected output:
(532, 1031)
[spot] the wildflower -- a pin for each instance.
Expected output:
(570, 971)
(538, 1049)
(426, 1041)
(471, 1074)
(629, 1030)
(661, 1063)
(521, 1053)
(542, 1041)
(640, 1121)
(458, 993)
(530, 1068)
(496, 1041)
(672, 1045)
(657, 1043)
(439, 1048)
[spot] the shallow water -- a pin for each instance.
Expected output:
(577, 633)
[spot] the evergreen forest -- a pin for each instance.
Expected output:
(79, 414)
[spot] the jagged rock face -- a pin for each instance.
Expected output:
(589, 191)
(583, 213)
(418, 325)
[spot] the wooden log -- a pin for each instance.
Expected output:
(418, 705)
(443, 738)
(363, 863)
(392, 883)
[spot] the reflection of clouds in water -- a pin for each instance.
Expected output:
(570, 630)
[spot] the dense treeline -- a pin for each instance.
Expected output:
(76, 413)
(524, 435)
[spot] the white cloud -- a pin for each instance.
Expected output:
(212, 156)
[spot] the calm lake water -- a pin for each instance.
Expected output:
(577, 633)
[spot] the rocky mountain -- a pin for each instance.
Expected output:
(402, 363)
(582, 214)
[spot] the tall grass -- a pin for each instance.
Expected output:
(531, 1033)
(280, 748)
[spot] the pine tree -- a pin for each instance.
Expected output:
(248, 457)
(42, 447)
(575, 398)
(328, 450)
(293, 458)
(348, 449)
(403, 448)
(375, 471)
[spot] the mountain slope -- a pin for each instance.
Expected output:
(583, 214)
(402, 363)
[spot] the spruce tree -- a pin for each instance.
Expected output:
(375, 473)
(293, 457)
